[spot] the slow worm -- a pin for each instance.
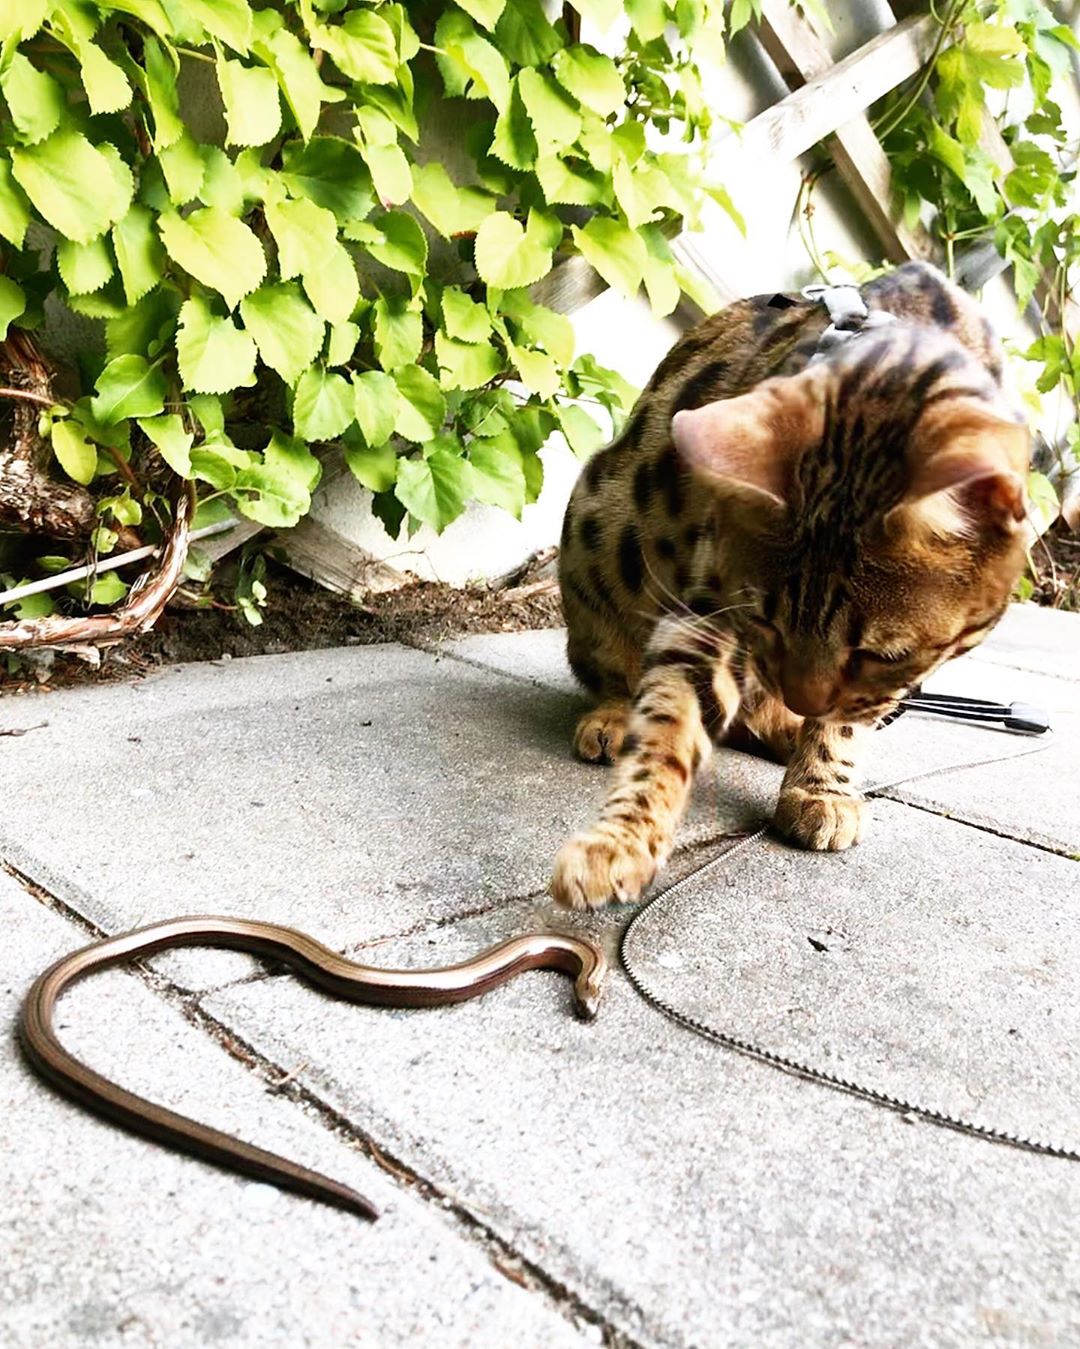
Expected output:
(317, 964)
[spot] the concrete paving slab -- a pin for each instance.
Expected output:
(109, 1240)
(703, 1199)
(1028, 787)
(353, 793)
(1030, 637)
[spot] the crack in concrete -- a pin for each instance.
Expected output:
(1055, 850)
(511, 1264)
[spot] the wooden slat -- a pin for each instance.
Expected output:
(829, 100)
(801, 56)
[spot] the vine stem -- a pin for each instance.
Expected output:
(29, 397)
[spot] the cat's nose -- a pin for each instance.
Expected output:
(808, 695)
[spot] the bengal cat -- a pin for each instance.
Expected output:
(776, 548)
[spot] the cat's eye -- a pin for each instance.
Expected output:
(882, 657)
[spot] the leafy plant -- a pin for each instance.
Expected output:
(997, 63)
(310, 274)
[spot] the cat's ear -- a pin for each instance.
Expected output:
(968, 466)
(751, 444)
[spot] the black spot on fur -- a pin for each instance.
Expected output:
(782, 302)
(594, 473)
(631, 744)
(643, 488)
(705, 386)
(668, 478)
(631, 563)
(665, 548)
(642, 775)
(846, 732)
(590, 533)
(675, 765)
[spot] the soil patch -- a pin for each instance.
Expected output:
(302, 616)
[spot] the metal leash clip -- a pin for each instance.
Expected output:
(1019, 717)
(848, 314)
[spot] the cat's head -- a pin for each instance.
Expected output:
(870, 516)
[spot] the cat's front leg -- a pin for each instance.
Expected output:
(820, 805)
(665, 744)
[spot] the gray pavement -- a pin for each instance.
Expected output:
(543, 1182)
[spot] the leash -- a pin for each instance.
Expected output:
(796, 1067)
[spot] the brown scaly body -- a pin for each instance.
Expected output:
(776, 548)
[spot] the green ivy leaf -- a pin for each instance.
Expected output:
(396, 241)
(84, 267)
(649, 18)
(286, 331)
(342, 343)
(144, 328)
(184, 168)
(308, 247)
(435, 489)
(330, 172)
(471, 66)
(322, 405)
(450, 209)
(35, 101)
(570, 183)
(294, 69)
(282, 483)
(422, 407)
(172, 441)
(506, 257)
(252, 106)
(107, 89)
(375, 404)
(74, 453)
(162, 95)
(128, 387)
(514, 141)
(615, 250)
(390, 172)
(485, 12)
(214, 355)
(497, 474)
(217, 249)
(592, 78)
(79, 188)
(524, 35)
(538, 325)
(14, 207)
(581, 432)
(537, 369)
(229, 20)
(463, 318)
(107, 589)
(603, 13)
(139, 253)
(12, 303)
(553, 113)
(362, 47)
(465, 365)
(373, 467)
(20, 19)
(399, 332)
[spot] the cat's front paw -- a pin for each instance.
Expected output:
(597, 866)
(823, 823)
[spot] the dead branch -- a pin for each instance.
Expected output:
(145, 601)
(31, 501)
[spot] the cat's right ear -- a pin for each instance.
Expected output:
(750, 445)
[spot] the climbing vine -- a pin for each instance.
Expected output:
(304, 263)
(996, 70)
